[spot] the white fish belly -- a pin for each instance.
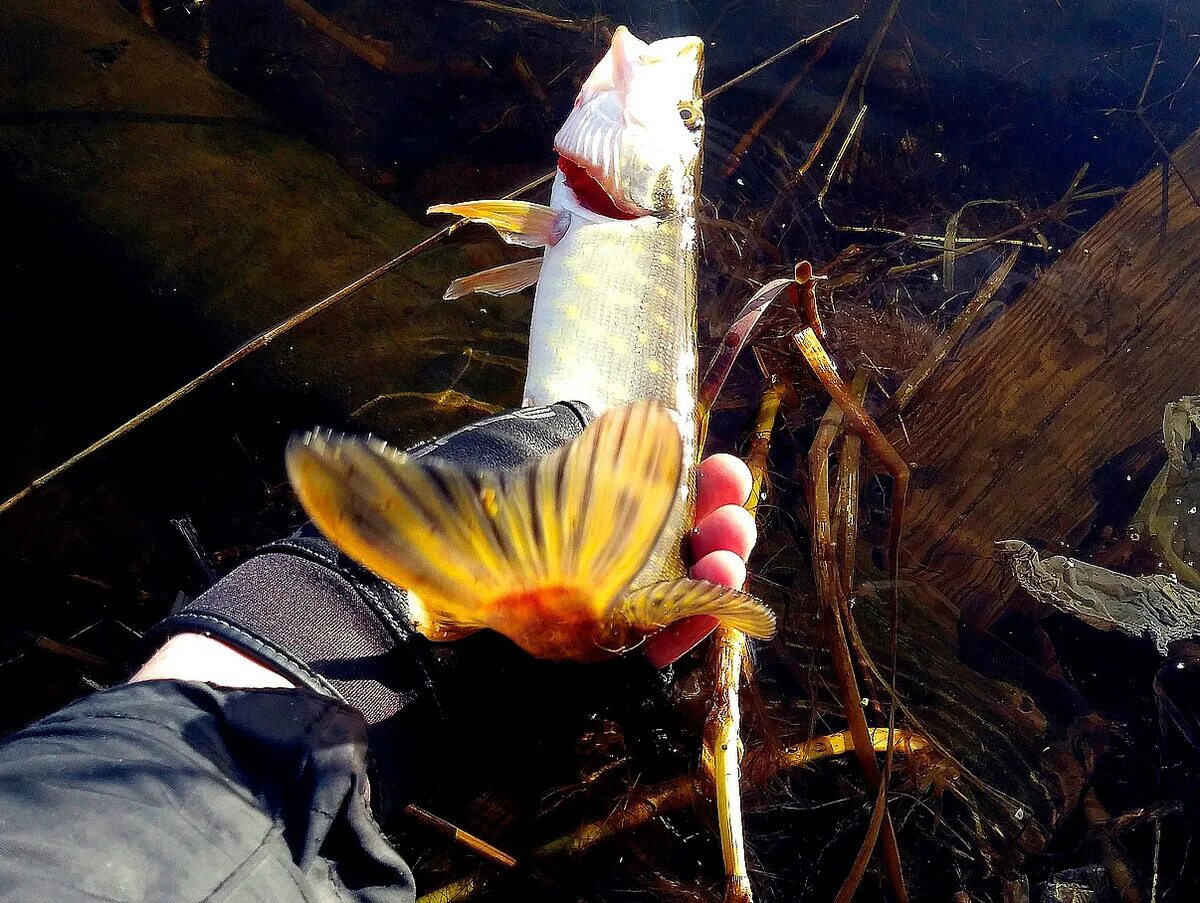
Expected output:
(614, 316)
(614, 321)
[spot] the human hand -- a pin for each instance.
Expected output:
(721, 541)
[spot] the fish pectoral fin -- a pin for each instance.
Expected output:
(517, 222)
(653, 607)
(502, 280)
(574, 527)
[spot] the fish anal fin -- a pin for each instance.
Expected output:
(517, 222)
(502, 280)
(653, 607)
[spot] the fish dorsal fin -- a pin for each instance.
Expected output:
(517, 222)
(578, 524)
(653, 607)
(499, 281)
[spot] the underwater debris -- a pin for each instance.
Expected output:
(1157, 608)
(1168, 515)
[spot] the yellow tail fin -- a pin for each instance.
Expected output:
(582, 519)
(543, 554)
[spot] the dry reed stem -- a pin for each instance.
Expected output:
(845, 506)
(723, 736)
(836, 612)
(1116, 860)
(723, 747)
(645, 805)
(833, 597)
(460, 837)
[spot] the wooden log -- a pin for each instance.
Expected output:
(1013, 440)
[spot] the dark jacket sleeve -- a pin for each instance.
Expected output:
(173, 791)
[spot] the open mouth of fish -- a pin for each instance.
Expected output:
(590, 193)
(631, 143)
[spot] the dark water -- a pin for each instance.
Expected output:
(965, 101)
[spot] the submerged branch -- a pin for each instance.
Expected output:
(961, 324)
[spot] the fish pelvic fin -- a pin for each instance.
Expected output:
(517, 222)
(540, 553)
(650, 608)
(502, 280)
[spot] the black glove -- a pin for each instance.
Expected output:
(302, 608)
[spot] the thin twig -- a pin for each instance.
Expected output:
(961, 324)
(597, 25)
(371, 54)
(774, 58)
(858, 78)
(837, 160)
(262, 340)
(734, 160)
(460, 837)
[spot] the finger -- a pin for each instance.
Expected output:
(723, 567)
(721, 480)
(730, 528)
(677, 639)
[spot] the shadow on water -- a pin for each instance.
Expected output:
(967, 101)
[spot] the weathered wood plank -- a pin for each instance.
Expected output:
(1008, 442)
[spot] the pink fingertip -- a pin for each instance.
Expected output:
(721, 480)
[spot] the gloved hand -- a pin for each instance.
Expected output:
(308, 612)
(305, 610)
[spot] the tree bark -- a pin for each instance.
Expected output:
(1056, 406)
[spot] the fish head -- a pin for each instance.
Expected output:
(638, 124)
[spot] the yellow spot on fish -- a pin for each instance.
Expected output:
(660, 291)
(654, 366)
(587, 280)
(643, 339)
(635, 247)
(665, 259)
(617, 343)
(572, 311)
(662, 321)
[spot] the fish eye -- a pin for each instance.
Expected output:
(690, 115)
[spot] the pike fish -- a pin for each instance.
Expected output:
(577, 556)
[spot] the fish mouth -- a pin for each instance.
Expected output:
(591, 192)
